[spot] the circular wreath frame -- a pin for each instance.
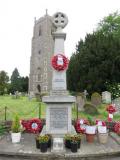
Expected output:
(28, 125)
(59, 67)
(78, 127)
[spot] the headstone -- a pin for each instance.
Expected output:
(96, 99)
(117, 104)
(106, 97)
(80, 102)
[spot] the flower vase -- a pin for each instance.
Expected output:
(79, 143)
(37, 143)
(68, 144)
(103, 137)
(74, 147)
(43, 147)
(49, 143)
(90, 138)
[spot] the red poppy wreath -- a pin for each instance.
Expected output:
(59, 62)
(33, 125)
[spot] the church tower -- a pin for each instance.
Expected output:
(40, 78)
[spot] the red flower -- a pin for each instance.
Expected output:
(80, 126)
(111, 108)
(117, 128)
(59, 67)
(33, 125)
(102, 122)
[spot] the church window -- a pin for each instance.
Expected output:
(39, 31)
(38, 68)
(39, 52)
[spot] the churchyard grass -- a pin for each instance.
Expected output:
(24, 107)
(102, 113)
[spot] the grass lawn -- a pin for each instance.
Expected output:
(103, 114)
(26, 109)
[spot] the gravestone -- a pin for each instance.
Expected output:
(59, 103)
(80, 102)
(117, 104)
(106, 97)
(96, 99)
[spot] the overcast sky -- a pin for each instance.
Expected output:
(17, 20)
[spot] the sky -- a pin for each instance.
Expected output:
(17, 21)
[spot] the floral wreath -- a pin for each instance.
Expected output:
(33, 125)
(80, 126)
(100, 123)
(117, 128)
(111, 109)
(59, 62)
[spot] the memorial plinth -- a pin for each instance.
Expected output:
(58, 114)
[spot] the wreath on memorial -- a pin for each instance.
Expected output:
(32, 125)
(63, 62)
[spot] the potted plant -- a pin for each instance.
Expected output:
(74, 144)
(49, 140)
(90, 130)
(37, 142)
(102, 133)
(78, 137)
(67, 140)
(43, 140)
(16, 130)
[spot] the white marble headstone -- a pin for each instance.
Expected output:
(106, 97)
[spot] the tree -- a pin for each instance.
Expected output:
(3, 82)
(24, 84)
(110, 25)
(97, 58)
(15, 81)
(18, 83)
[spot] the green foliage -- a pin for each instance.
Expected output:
(3, 82)
(16, 124)
(90, 109)
(91, 121)
(95, 94)
(24, 107)
(43, 138)
(2, 129)
(18, 83)
(67, 136)
(110, 24)
(114, 89)
(96, 61)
